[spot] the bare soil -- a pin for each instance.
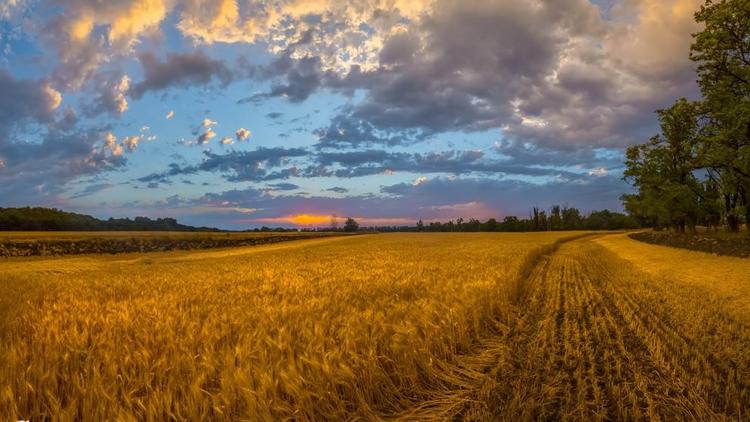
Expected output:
(719, 244)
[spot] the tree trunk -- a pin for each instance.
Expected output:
(733, 224)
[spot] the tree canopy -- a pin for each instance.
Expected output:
(697, 170)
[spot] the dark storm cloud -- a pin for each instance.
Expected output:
(179, 70)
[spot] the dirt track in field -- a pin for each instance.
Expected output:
(596, 340)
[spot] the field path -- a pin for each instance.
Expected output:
(596, 340)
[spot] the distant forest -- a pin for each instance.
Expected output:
(558, 218)
(697, 170)
(51, 219)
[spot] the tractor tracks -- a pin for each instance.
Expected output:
(584, 347)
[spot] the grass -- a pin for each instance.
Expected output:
(512, 326)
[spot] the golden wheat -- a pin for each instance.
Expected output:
(326, 329)
(403, 326)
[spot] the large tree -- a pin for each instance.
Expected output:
(722, 52)
(669, 194)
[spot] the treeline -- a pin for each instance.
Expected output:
(697, 170)
(44, 219)
(558, 218)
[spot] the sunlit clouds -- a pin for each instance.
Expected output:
(389, 111)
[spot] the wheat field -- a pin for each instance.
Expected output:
(485, 326)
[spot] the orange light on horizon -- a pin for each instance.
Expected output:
(310, 220)
(299, 220)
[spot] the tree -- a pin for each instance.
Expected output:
(571, 218)
(722, 51)
(555, 218)
(663, 171)
(351, 225)
(334, 222)
(420, 226)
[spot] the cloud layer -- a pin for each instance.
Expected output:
(554, 90)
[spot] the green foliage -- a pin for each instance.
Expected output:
(697, 171)
(351, 225)
(37, 218)
(561, 218)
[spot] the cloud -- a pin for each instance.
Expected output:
(420, 180)
(457, 162)
(283, 186)
(239, 166)
(226, 140)
(598, 172)
(480, 65)
(337, 189)
(242, 134)
(179, 70)
(403, 203)
(89, 33)
(339, 34)
(38, 173)
(111, 145)
(301, 78)
(131, 142)
(111, 92)
(346, 131)
(25, 100)
(206, 136)
(92, 189)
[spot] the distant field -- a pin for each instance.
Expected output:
(433, 326)
(75, 243)
(78, 235)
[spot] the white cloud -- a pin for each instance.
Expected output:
(110, 144)
(419, 181)
(206, 136)
(598, 172)
(226, 141)
(131, 142)
(53, 97)
(242, 134)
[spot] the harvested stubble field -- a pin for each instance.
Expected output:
(14, 244)
(399, 326)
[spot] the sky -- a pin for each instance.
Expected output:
(242, 113)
